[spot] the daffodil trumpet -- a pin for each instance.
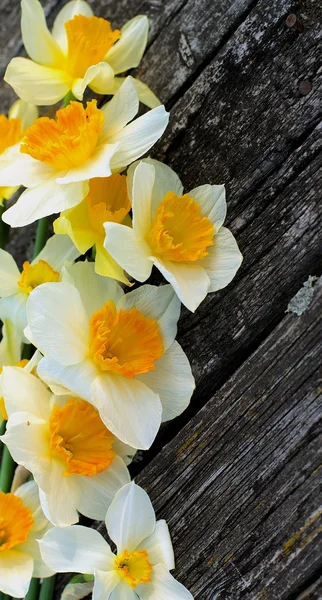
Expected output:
(58, 158)
(81, 51)
(141, 567)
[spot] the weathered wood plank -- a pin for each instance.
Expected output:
(239, 485)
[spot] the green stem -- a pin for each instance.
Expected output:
(2, 427)
(47, 588)
(7, 470)
(4, 227)
(68, 99)
(33, 591)
(41, 235)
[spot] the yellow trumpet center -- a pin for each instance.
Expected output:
(134, 568)
(89, 39)
(16, 520)
(179, 231)
(10, 132)
(79, 438)
(124, 341)
(107, 200)
(67, 142)
(34, 275)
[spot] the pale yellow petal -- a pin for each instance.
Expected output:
(37, 39)
(26, 112)
(35, 83)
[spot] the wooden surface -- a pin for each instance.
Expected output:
(238, 476)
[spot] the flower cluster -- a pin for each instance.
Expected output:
(90, 368)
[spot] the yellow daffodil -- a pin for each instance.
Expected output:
(107, 200)
(81, 51)
(58, 157)
(22, 524)
(181, 234)
(139, 570)
(114, 350)
(21, 115)
(75, 460)
(15, 286)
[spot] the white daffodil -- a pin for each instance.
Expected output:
(22, 524)
(58, 157)
(10, 354)
(117, 351)
(81, 51)
(15, 286)
(140, 569)
(182, 235)
(21, 115)
(75, 460)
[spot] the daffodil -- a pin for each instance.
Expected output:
(15, 286)
(57, 157)
(181, 234)
(114, 350)
(139, 569)
(81, 51)
(10, 354)
(22, 524)
(107, 200)
(21, 115)
(75, 460)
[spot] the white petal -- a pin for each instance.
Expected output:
(128, 251)
(127, 52)
(166, 180)
(27, 439)
(98, 491)
(121, 109)
(45, 199)
(9, 274)
(13, 308)
(16, 167)
(128, 408)
(58, 322)
(99, 165)
(72, 8)
(75, 378)
(24, 111)
(104, 584)
(94, 289)
(125, 451)
(24, 392)
(159, 546)
(59, 499)
(223, 260)
(59, 249)
(190, 281)
(29, 494)
(138, 137)
(15, 572)
(142, 189)
(76, 591)
(10, 345)
(98, 77)
(145, 94)
(158, 303)
(38, 41)
(212, 200)
(31, 546)
(77, 549)
(35, 83)
(130, 518)
(122, 592)
(172, 381)
(163, 585)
